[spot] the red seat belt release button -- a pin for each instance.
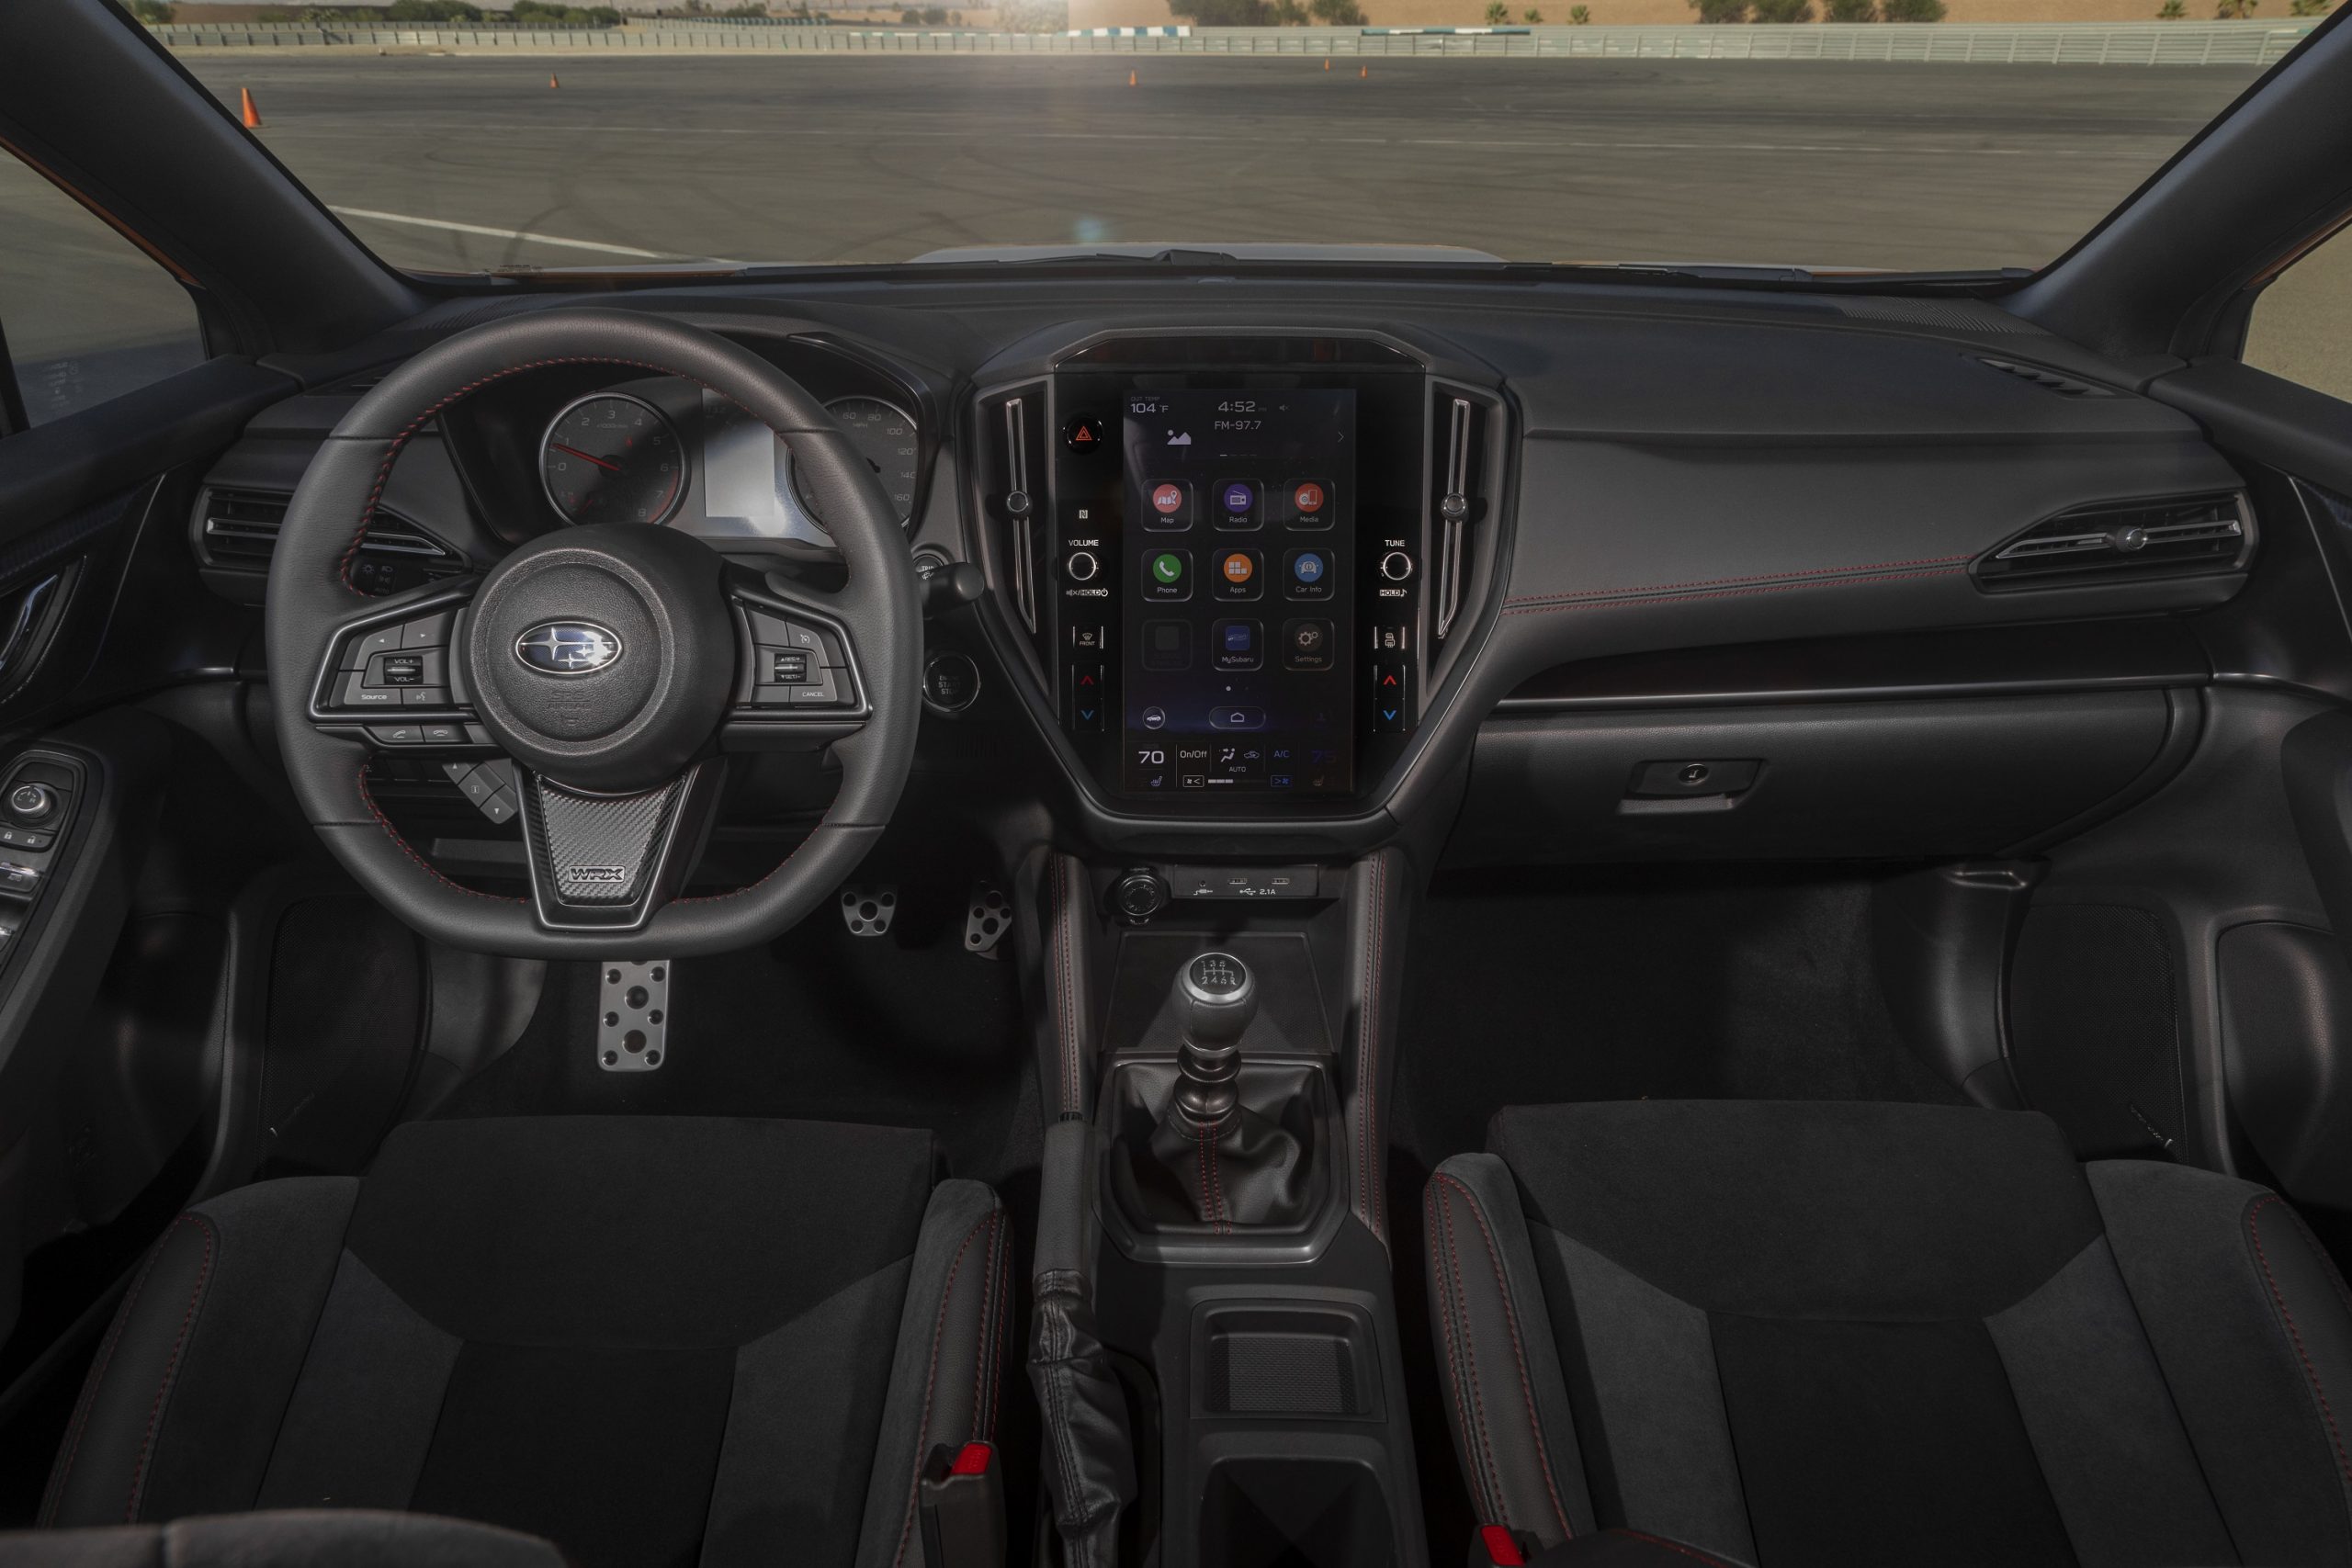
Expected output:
(962, 1507)
(1496, 1548)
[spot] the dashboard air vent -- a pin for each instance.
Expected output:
(2119, 540)
(2047, 379)
(240, 532)
(1461, 463)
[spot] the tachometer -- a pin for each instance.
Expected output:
(610, 457)
(887, 438)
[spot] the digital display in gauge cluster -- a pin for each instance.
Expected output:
(751, 486)
(1239, 592)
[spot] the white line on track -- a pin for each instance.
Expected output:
(415, 223)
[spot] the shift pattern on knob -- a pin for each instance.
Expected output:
(1216, 999)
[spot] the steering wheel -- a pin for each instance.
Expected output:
(617, 664)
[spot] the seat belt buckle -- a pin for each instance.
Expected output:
(962, 1507)
(1493, 1546)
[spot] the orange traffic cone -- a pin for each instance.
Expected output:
(252, 115)
(1363, 73)
(551, 80)
(1327, 62)
(1131, 78)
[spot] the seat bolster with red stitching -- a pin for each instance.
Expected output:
(1499, 1363)
(2252, 1325)
(217, 1321)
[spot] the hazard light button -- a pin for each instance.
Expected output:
(1083, 433)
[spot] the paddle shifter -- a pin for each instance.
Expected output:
(1213, 1160)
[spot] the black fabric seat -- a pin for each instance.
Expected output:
(649, 1340)
(1802, 1333)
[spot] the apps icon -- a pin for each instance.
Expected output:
(1236, 504)
(1167, 576)
(1238, 575)
(1237, 645)
(1168, 645)
(1307, 574)
(1172, 505)
(1310, 504)
(1307, 645)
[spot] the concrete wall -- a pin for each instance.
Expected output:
(1649, 13)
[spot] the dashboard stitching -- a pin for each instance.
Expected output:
(405, 848)
(1807, 574)
(1641, 597)
(384, 470)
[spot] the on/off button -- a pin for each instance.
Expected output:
(1083, 566)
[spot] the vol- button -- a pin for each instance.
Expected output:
(1083, 567)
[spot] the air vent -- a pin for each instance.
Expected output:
(1460, 456)
(240, 530)
(2047, 379)
(2121, 540)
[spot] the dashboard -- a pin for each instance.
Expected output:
(1255, 573)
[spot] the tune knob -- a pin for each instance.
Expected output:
(1396, 566)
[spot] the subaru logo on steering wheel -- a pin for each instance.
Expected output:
(568, 647)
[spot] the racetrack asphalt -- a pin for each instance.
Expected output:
(833, 159)
(457, 162)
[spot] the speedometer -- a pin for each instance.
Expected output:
(887, 438)
(612, 459)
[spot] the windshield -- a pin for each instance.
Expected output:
(1613, 131)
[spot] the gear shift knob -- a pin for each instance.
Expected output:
(1216, 999)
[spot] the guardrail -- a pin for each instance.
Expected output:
(2060, 43)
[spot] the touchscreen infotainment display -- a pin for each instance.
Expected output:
(1239, 591)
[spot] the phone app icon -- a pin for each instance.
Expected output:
(1167, 576)
(1307, 574)
(1236, 504)
(1237, 645)
(1310, 504)
(1172, 505)
(1238, 575)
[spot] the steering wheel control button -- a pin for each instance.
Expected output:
(951, 683)
(357, 694)
(32, 801)
(396, 733)
(1396, 566)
